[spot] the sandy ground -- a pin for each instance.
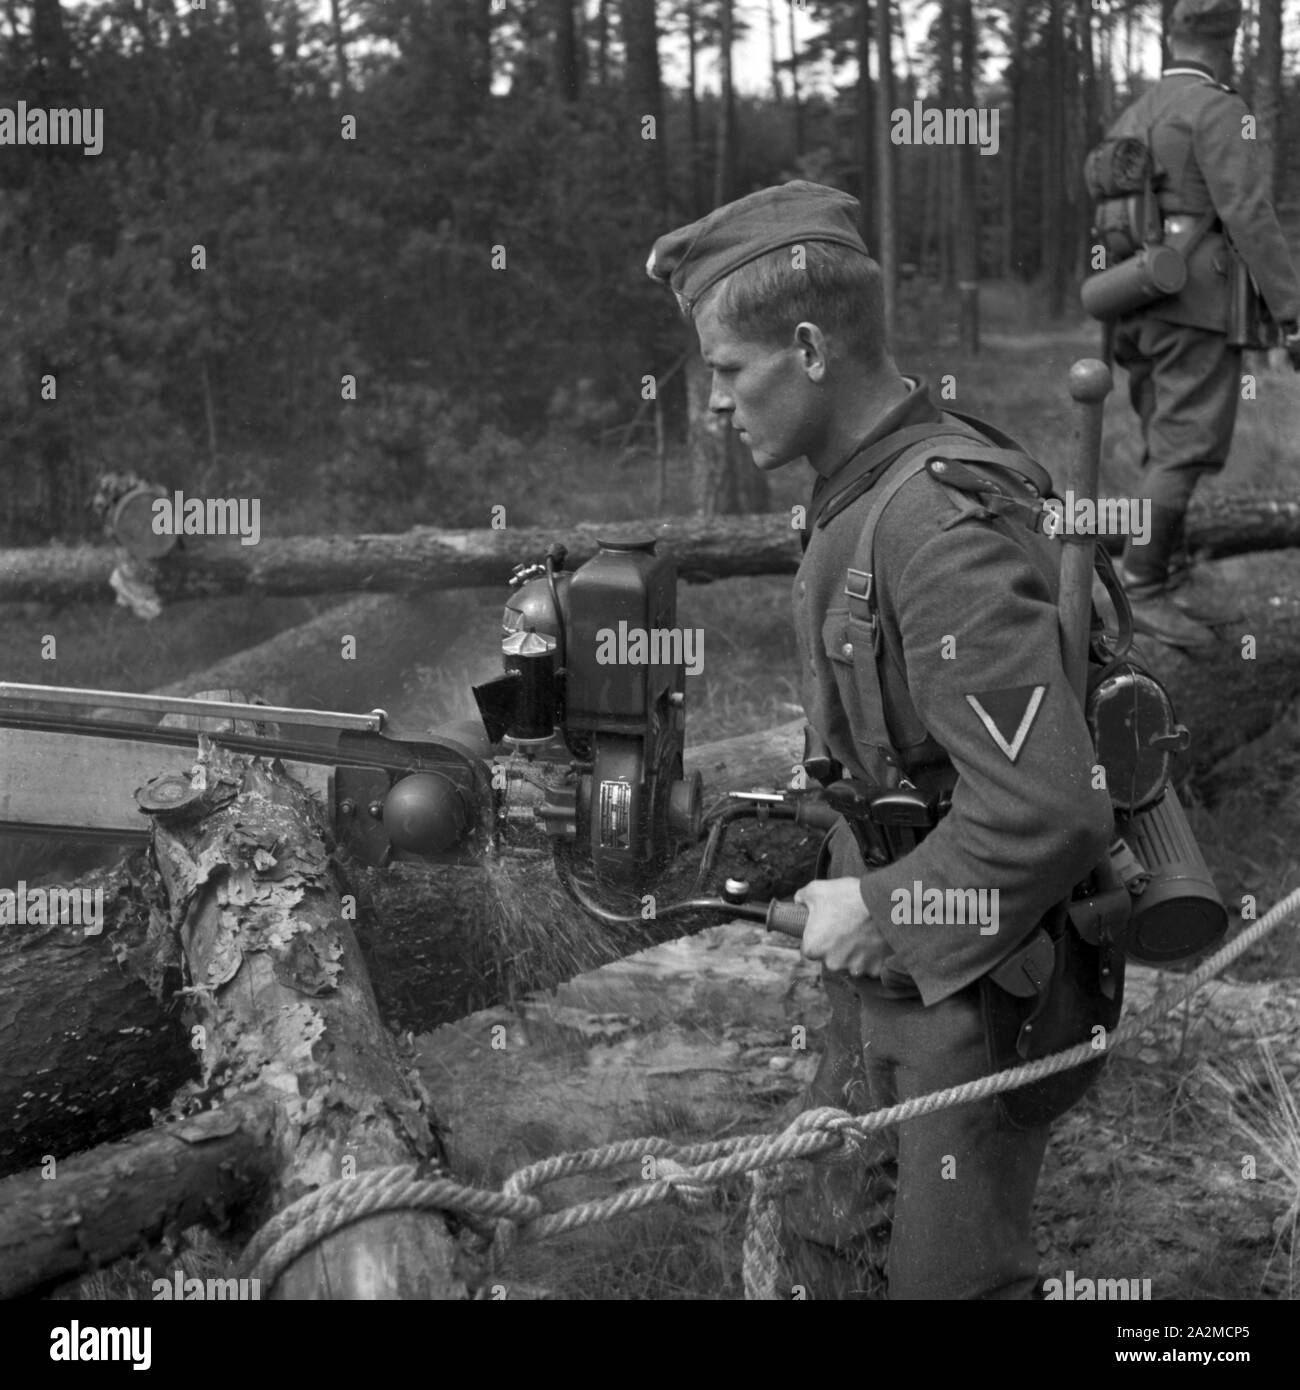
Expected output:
(693, 1039)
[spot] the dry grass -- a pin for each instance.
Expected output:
(1261, 1106)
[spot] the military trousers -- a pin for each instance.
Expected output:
(1184, 383)
(939, 1207)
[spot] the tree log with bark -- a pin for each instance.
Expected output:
(283, 1020)
(706, 548)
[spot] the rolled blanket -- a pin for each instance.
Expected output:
(1117, 168)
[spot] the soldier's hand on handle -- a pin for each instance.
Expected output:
(1291, 342)
(840, 932)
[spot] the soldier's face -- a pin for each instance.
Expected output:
(769, 393)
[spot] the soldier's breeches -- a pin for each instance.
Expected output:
(963, 1180)
(1184, 384)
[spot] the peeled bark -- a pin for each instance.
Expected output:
(282, 1006)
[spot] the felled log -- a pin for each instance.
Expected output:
(428, 559)
(283, 1008)
(87, 1050)
(59, 1222)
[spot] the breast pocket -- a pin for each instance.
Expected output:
(850, 649)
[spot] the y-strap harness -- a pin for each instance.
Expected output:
(1021, 491)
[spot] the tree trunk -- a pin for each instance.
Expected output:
(567, 80)
(885, 162)
(1013, 142)
(1053, 173)
(602, 43)
(866, 128)
(1268, 95)
(796, 97)
(340, 48)
(1091, 129)
(946, 157)
(693, 109)
(53, 79)
(644, 92)
(774, 63)
(968, 217)
(724, 169)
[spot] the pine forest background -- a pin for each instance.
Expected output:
(492, 123)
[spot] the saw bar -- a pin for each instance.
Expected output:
(79, 784)
(371, 723)
(72, 772)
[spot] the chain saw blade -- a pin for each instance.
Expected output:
(70, 772)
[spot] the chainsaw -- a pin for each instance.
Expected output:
(578, 749)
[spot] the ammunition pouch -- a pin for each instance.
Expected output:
(1051, 994)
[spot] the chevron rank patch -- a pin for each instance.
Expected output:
(1008, 714)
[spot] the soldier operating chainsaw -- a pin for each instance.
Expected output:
(932, 668)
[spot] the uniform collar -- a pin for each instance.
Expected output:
(916, 408)
(872, 455)
(1188, 67)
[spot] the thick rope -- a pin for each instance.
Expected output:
(686, 1171)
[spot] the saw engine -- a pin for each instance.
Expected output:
(591, 712)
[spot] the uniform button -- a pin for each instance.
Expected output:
(803, 587)
(847, 649)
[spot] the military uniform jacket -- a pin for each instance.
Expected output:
(1194, 128)
(973, 696)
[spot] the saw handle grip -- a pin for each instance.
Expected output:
(786, 917)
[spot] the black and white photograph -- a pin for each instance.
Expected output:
(651, 653)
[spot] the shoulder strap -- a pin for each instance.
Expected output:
(860, 587)
(973, 495)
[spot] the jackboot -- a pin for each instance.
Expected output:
(1191, 592)
(1145, 573)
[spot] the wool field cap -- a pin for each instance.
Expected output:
(694, 258)
(1206, 19)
